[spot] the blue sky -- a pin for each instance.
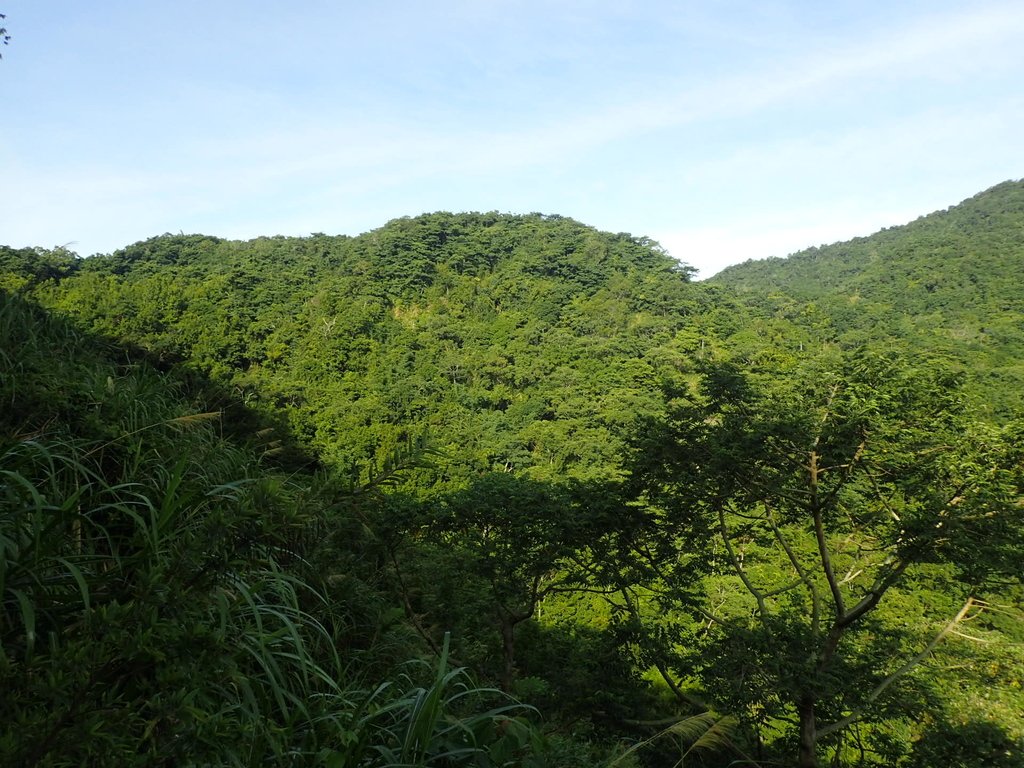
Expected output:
(724, 130)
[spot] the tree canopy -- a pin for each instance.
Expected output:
(337, 500)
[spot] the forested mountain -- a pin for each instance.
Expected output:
(949, 282)
(530, 339)
(774, 518)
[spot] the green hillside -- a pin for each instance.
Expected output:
(171, 597)
(950, 282)
(526, 342)
(770, 519)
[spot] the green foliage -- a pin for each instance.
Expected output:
(143, 610)
(971, 745)
(487, 555)
(704, 732)
(946, 283)
(429, 726)
(243, 480)
(524, 343)
(27, 267)
(158, 606)
(789, 506)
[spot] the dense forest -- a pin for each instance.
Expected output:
(504, 490)
(948, 282)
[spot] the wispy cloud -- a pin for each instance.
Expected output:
(942, 47)
(251, 158)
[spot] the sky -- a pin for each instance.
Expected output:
(725, 130)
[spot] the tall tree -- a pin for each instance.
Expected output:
(795, 505)
(520, 540)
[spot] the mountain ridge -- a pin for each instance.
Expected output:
(975, 214)
(950, 282)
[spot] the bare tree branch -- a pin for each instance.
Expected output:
(879, 689)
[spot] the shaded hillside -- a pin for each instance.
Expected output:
(168, 599)
(952, 281)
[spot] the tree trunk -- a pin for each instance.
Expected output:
(508, 647)
(808, 756)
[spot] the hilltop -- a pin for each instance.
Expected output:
(951, 282)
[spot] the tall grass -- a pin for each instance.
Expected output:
(154, 608)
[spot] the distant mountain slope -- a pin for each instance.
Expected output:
(952, 281)
(965, 252)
